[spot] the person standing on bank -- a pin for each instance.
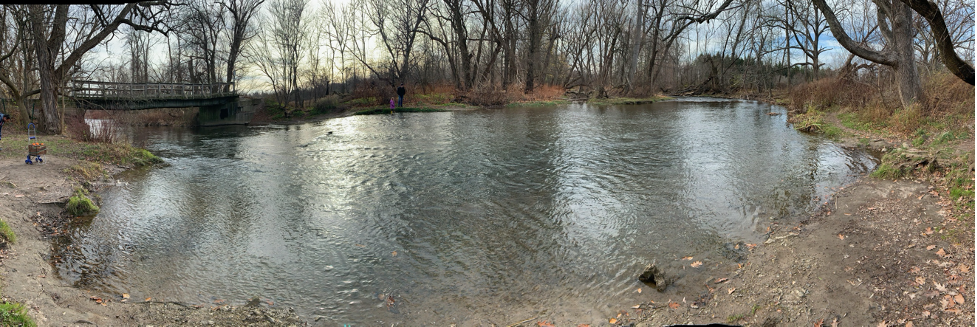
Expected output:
(400, 95)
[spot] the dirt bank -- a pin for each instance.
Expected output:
(882, 253)
(32, 203)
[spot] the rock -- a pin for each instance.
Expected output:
(654, 277)
(735, 251)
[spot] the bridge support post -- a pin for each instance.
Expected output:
(230, 113)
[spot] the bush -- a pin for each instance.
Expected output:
(7, 233)
(325, 105)
(80, 205)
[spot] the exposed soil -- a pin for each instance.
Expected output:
(883, 253)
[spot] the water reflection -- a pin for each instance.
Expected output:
(476, 217)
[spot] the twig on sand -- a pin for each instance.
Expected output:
(521, 322)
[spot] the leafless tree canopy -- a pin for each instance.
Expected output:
(303, 50)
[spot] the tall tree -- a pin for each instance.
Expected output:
(55, 57)
(241, 14)
(895, 23)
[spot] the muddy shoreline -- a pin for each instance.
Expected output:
(880, 253)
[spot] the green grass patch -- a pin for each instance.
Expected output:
(734, 318)
(80, 205)
(537, 103)
(853, 121)
(812, 121)
(15, 314)
(121, 154)
(887, 171)
(7, 233)
(361, 102)
(381, 111)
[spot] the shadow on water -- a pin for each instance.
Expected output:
(475, 217)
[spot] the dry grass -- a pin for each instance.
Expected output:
(947, 103)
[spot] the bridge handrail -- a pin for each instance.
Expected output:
(99, 89)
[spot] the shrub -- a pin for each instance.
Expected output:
(325, 105)
(7, 233)
(80, 205)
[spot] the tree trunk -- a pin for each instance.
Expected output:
(45, 67)
(910, 87)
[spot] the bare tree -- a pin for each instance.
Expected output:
(282, 47)
(55, 57)
(240, 13)
(895, 23)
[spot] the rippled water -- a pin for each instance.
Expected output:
(469, 217)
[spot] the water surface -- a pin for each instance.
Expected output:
(469, 217)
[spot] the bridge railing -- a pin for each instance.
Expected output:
(95, 89)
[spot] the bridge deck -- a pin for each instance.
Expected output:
(137, 96)
(149, 91)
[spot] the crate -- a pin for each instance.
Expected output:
(36, 150)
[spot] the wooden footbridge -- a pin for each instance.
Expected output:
(218, 102)
(137, 96)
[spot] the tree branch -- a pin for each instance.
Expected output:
(928, 10)
(842, 37)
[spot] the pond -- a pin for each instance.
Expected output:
(466, 217)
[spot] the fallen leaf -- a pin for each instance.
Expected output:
(929, 230)
(686, 258)
(731, 290)
(834, 323)
(148, 298)
(841, 236)
(958, 298)
(920, 280)
(964, 268)
(394, 253)
(546, 324)
(636, 307)
(941, 253)
(930, 247)
(696, 264)
(750, 246)
(819, 323)
(673, 305)
(721, 280)
(947, 302)
(909, 324)
(125, 295)
(914, 270)
(882, 324)
(639, 290)
(613, 321)
(939, 287)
